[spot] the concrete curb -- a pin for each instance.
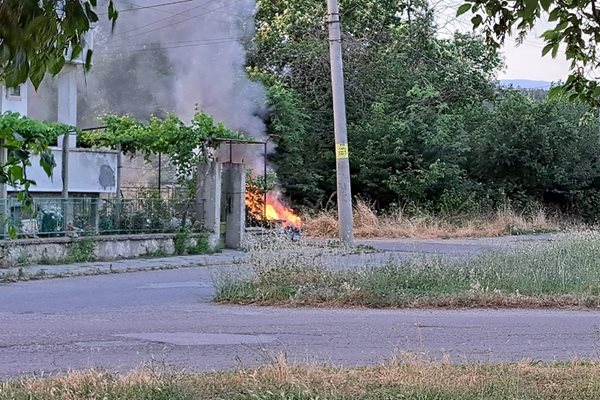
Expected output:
(228, 257)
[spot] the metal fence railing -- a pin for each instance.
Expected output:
(61, 217)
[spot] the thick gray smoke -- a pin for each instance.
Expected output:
(211, 71)
(172, 58)
(203, 41)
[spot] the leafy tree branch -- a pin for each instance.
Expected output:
(576, 27)
(24, 138)
(37, 35)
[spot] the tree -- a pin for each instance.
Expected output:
(429, 128)
(23, 138)
(576, 27)
(405, 89)
(532, 149)
(35, 36)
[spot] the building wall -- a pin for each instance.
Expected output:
(90, 171)
(12, 103)
(106, 248)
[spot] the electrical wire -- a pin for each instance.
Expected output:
(136, 8)
(165, 19)
(232, 40)
(181, 21)
(175, 43)
(174, 13)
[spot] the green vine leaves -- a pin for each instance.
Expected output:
(185, 145)
(575, 31)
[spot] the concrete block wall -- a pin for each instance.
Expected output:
(106, 248)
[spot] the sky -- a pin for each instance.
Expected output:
(522, 61)
(526, 62)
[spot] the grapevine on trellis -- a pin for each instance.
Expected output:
(185, 145)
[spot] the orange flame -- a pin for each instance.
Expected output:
(275, 210)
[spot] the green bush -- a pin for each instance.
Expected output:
(81, 251)
(181, 241)
(202, 246)
(586, 204)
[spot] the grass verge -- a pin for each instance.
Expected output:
(562, 273)
(368, 224)
(415, 380)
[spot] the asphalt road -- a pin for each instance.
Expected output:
(120, 321)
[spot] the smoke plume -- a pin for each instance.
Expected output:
(179, 58)
(171, 56)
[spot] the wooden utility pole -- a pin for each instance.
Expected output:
(344, 193)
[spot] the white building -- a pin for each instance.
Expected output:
(91, 172)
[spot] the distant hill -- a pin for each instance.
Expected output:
(525, 84)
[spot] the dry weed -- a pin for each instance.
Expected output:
(561, 273)
(368, 224)
(412, 373)
(405, 377)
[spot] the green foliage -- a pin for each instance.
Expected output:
(565, 273)
(24, 259)
(202, 246)
(288, 125)
(23, 138)
(533, 148)
(81, 251)
(575, 26)
(158, 253)
(406, 92)
(429, 129)
(186, 146)
(586, 203)
(181, 241)
(36, 36)
(260, 184)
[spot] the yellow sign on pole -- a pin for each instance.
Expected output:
(341, 151)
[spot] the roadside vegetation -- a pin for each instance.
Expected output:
(397, 380)
(559, 273)
(369, 224)
(430, 131)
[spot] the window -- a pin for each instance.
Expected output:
(13, 92)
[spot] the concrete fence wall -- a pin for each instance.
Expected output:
(101, 248)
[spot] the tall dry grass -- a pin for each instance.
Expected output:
(368, 224)
(405, 377)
